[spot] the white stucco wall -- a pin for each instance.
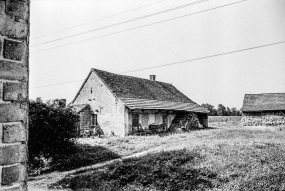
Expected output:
(110, 111)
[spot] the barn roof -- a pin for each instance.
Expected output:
(132, 87)
(264, 102)
(154, 94)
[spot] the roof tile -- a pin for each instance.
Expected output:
(147, 94)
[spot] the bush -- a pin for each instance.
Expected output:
(51, 129)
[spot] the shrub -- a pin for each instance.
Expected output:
(51, 129)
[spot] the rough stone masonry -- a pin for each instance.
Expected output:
(14, 39)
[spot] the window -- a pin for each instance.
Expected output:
(93, 119)
(91, 90)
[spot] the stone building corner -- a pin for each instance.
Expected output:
(14, 76)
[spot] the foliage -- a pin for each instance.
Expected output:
(185, 122)
(235, 112)
(51, 129)
(171, 170)
(221, 110)
(211, 108)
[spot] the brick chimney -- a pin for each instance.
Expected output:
(152, 77)
(62, 103)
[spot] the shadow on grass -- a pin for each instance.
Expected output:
(80, 156)
(171, 170)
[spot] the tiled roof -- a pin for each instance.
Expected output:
(264, 102)
(133, 103)
(151, 94)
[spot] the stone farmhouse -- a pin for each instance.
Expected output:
(266, 109)
(121, 104)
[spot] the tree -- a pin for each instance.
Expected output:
(234, 111)
(228, 112)
(211, 108)
(221, 111)
(51, 129)
(239, 113)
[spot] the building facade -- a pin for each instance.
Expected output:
(122, 104)
(266, 109)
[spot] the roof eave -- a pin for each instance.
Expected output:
(81, 87)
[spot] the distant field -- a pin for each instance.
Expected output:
(224, 157)
(225, 119)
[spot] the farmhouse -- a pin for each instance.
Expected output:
(266, 109)
(123, 104)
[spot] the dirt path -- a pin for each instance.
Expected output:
(40, 183)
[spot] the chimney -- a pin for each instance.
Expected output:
(152, 77)
(62, 103)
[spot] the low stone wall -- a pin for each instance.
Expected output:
(263, 119)
(225, 119)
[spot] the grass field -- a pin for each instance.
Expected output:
(225, 157)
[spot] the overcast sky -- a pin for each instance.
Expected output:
(224, 79)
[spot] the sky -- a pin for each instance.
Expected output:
(58, 68)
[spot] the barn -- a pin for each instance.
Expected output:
(267, 109)
(122, 104)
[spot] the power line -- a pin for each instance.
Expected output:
(124, 22)
(205, 57)
(180, 62)
(76, 26)
(159, 22)
(57, 84)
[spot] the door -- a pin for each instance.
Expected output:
(135, 122)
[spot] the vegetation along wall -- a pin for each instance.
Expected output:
(275, 118)
(14, 33)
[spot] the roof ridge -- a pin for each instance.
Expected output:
(265, 93)
(133, 87)
(132, 76)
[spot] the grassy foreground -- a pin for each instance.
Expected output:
(225, 158)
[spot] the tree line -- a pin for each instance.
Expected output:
(221, 110)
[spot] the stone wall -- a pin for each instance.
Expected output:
(14, 33)
(234, 120)
(266, 118)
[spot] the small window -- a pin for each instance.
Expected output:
(93, 119)
(91, 90)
